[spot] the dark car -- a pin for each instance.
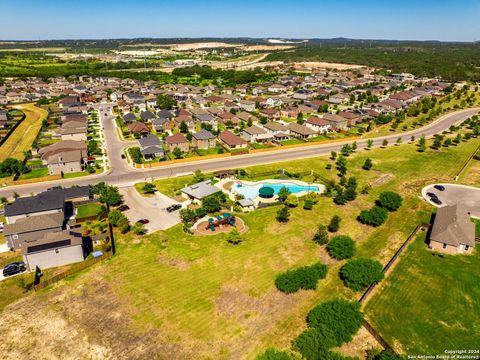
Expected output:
(174, 207)
(436, 201)
(143, 221)
(432, 195)
(14, 268)
(123, 208)
(439, 187)
(123, 156)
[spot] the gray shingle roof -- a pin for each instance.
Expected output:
(201, 190)
(203, 135)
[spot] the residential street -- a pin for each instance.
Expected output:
(120, 174)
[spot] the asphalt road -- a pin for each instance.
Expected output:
(467, 196)
(121, 175)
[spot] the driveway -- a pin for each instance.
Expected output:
(151, 208)
(454, 194)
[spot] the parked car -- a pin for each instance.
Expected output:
(430, 194)
(439, 187)
(14, 268)
(143, 221)
(436, 200)
(174, 207)
(123, 208)
(123, 156)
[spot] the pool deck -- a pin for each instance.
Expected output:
(257, 200)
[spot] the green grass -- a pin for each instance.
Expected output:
(35, 173)
(211, 151)
(291, 142)
(477, 227)
(429, 303)
(139, 188)
(88, 210)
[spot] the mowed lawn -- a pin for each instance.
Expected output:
(88, 210)
(429, 304)
(220, 299)
(24, 135)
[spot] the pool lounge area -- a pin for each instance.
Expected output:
(267, 190)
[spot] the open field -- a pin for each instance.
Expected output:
(429, 303)
(179, 296)
(22, 138)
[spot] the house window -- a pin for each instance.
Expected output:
(56, 251)
(444, 246)
(466, 247)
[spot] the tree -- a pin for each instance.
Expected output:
(369, 143)
(136, 154)
(149, 188)
(12, 166)
(165, 101)
(385, 143)
(341, 247)
(437, 142)
(291, 201)
(283, 193)
(198, 176)
(283, 214)
(333, 155)
(422, 144)
(314, 343)
(188, 215)
(305, 277)
(183, 127)
(300, 119)
(177, 152)
(213, 203)
(354, 146)
(390, 200)
(108, 194)
(342, 165)
(308, 204)
(340, 198)
(321, 236)
(367, 165)
(234, 237)
(376, 216)
(334, 224)
(115, 217)
(341, 316)
(351, 189)
(358, 274)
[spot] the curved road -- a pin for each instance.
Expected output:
(120, 174)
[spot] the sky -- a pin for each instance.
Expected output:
(447, 20)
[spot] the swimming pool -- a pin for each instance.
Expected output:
(251, 191)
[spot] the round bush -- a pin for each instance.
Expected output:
(390, 200)
(376, 216)
(341, 316)
(358, 274)
(314, 343)
(305, 277)
(341, 247)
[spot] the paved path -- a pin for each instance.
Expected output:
(151, 208)
(120, 174)
(454, 194)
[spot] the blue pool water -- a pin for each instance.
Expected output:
(251, 191)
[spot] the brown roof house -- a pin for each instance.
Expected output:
(301, 131)
(232, 141)
(74, 130)
(177, 140)
(66, 156)
(137, 127)
(453, 231)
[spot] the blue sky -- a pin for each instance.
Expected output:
(369, 19)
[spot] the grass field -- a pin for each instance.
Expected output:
(200, 297)
(22, 138)
(429, 304)
(88, 210)
(35, 173)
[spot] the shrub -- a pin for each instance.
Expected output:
(314, 343)
(139, 229)
(367, 165)
(149, 188)
(334, 223)
(291, 201)
(308, 204)
(341, 247)
(358, 274)
(283, 193)
(305, 277)
(115, 216)
(283, 214)
(321, 236)
(390, 200)
(341, 316)
(274, 354)
(234, 237)
(376, 216)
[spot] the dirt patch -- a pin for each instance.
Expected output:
(382, 179)
(176, 263)
(257, 315)
(359, 345)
